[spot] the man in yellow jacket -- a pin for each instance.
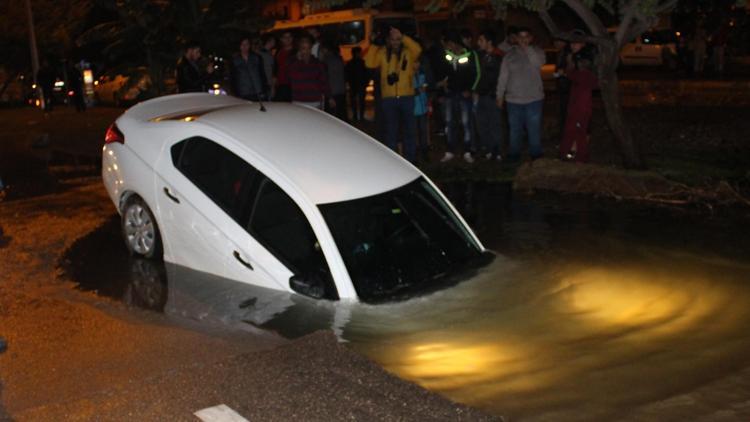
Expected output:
(395, 61)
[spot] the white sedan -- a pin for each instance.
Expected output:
(283, 197)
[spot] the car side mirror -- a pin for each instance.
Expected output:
(307, 285)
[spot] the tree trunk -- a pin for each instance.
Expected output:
(155, 74)
(607, 71)
(610, 89)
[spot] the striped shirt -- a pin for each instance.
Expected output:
(307, 79)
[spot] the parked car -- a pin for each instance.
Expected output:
(122, 90)
(652, 48)
(281, 196)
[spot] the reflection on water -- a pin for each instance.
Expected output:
(589, 312)
(570, 339)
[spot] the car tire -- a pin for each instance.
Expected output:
(140, 230)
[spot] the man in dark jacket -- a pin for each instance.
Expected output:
(336, 95)
(463, 72)
(190, 76)
(357, 77)
(248, 75)
(488, 114)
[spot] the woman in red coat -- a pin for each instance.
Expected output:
(580, 71)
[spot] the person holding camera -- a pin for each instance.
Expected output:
(191, 76)
(394, 57)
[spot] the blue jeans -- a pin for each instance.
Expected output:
(529, 117)
(489, 124)
(453, 103)
(399, 112)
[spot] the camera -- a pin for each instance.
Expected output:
(392, 78)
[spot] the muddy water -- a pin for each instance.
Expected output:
(590, 311)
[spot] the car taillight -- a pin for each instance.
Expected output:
(113, 135)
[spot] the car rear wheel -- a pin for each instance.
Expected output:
(139, 229)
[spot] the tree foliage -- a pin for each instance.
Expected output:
(56, 23)
(152, 33)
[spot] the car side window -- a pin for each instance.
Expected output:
(257, 204)
(220, 174)
(280, 225)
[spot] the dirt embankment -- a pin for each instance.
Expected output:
(620, 184)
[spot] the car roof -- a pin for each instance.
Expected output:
(327, 159)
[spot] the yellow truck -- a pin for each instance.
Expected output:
(350, 28)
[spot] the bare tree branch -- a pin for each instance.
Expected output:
(566, 36)
(638, 27)
(549, 23)
(666, 6)
(588, 16)
(630, 12)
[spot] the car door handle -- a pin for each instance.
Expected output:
(170, 196)
(242, 261)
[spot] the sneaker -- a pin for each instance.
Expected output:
(499, 157)
(468, 158)
(488, 156)
(447, 157)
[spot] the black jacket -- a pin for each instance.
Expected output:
(249, 77)
(190, 78)
(490, 70)
(357, 75)
(462, 70)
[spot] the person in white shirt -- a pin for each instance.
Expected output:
(520, 89)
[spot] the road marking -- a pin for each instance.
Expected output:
(220, 413)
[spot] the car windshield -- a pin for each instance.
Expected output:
(659, 37)
(401, 243)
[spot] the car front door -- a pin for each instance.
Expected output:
(651, 48)
(274, 233)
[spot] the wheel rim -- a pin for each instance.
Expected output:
(139, 229)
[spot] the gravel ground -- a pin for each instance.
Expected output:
(314, 379)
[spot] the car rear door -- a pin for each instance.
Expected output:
(188, 183)
(207, 192)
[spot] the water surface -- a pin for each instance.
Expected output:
(590, 311)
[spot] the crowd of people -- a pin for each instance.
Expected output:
(481, 93)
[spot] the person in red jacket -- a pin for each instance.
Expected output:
(580, 72)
